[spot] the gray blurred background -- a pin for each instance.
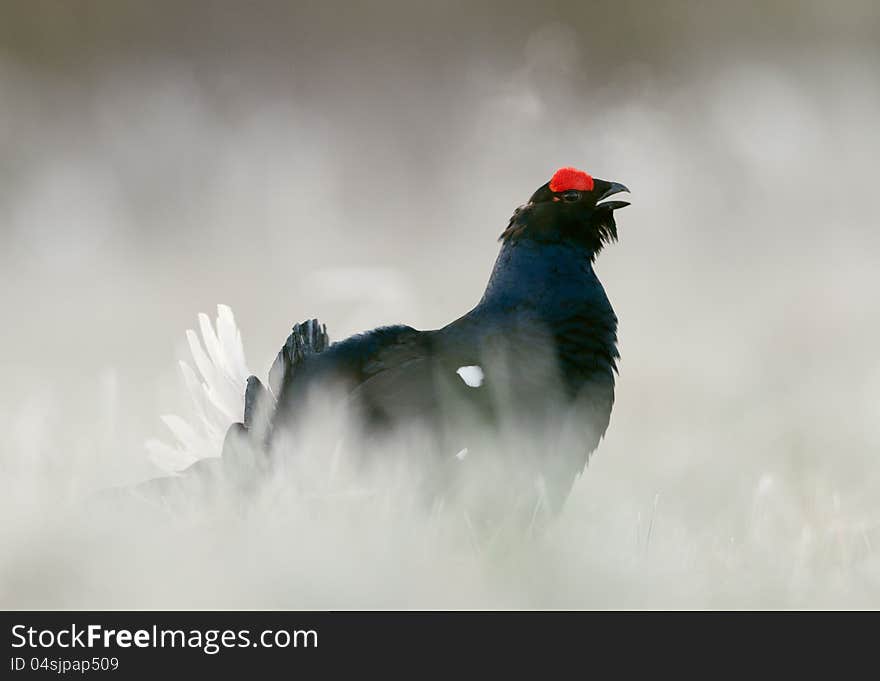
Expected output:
(357, 161)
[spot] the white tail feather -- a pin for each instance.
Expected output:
(216, 391)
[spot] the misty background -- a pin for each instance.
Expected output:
(356, 162)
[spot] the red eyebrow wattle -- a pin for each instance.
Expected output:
(571, 178)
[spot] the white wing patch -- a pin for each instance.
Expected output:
(471, 375)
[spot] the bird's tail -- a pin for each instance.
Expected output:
(246, 441)
(306, 338)
(215, 384)
(231, 408)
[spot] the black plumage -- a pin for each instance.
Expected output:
(543, 335)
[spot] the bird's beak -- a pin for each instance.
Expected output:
(613, 188)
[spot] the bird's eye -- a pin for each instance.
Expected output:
(571, 195)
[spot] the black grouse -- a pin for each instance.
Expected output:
(538, 354)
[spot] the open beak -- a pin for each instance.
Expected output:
(613, 188)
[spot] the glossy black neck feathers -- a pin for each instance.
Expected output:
(555, 285)
(550, 277)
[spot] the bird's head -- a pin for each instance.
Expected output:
(573, 207)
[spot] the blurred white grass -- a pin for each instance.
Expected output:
(315, 538)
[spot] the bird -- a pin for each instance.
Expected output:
(539, 350)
